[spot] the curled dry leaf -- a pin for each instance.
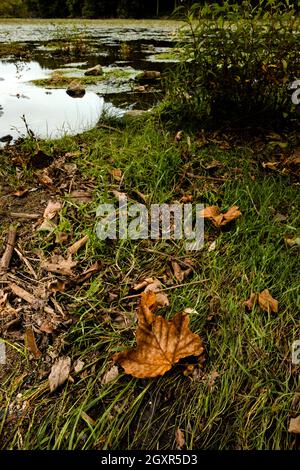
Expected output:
(151, 284)
(161, 343)
(180, 273)
(52, 209)
(214, 214)
(59, 265)
(59, 372)
(266, 302)
(155, 286)
(294, 425)
(251, 301)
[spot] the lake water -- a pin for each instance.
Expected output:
(33, 50)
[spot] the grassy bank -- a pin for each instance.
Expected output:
(245, 393)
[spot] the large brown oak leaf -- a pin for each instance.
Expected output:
(160, 342)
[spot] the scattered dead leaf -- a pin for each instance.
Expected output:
(81, 196)
(116, 174)
(57, 286)
(87, 418)
(30, 343)
(59, 265)
(290, 242)
(179, 437)
(52, 209)
(212, 246)
(267, 302)
(154, 285)
(59, 372)
(251, 301)
(213, 213)
(78, 366)
(120, 196)
(270, 165)
(110, 375)
(21, 192)
(186, 198)
(179, 273)
(212, 378)
(179, 136)
(160, 343)
(294, 425)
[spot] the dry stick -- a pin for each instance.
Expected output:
(168, 288)
(11, 240)
(25, 261)
(23, 294)
(24, 215)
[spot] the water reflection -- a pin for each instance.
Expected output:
(47, 113)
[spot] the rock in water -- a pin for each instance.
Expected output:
(95, 71)
(148, 76)
(76, 90)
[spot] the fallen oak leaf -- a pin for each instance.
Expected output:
(161, 343)
(59, 373)
(267, 302)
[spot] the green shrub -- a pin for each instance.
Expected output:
(239, 63)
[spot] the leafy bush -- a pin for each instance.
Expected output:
(240, 61)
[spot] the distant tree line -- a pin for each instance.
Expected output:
(96, 8)
(89, 8)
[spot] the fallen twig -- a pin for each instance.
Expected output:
(23, 294)
(24, 215)
(11, 240)
(77, 245)
(25, 261)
